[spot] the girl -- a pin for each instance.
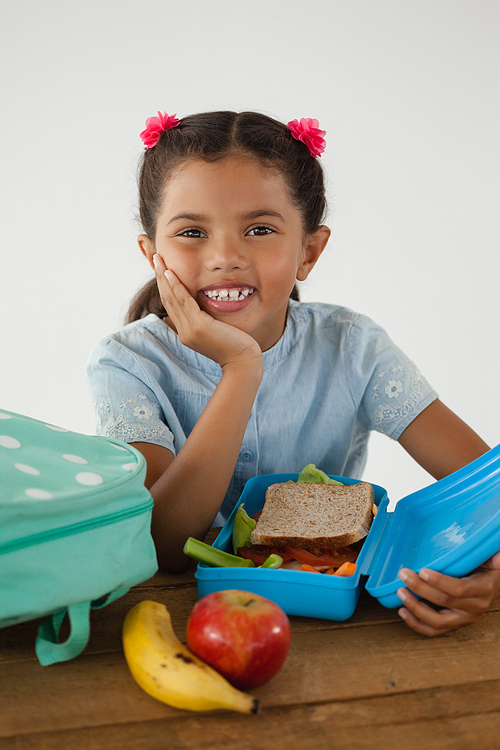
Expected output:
(222, 374)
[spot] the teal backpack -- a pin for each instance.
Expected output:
(75, 523)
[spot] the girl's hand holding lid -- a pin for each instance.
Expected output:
(463, 600)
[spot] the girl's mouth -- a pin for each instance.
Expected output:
(231, 294)
(227, 299)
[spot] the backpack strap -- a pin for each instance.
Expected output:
(48, 650)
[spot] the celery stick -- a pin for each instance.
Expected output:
(273, 561)
(213, 556)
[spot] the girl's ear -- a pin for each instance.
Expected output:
(313, 247)
(147, 248)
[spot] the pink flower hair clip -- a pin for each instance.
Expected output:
(155, 127)
(307, 131)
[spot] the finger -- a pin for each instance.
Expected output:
(417, 625)
(438, 589)
(494, 562)
(424, 619)
(476, 592)
(189, 319)
(159, 263)
(481, 587)
(423, 627)
(162, 281)
(174, 295)
(445, 591)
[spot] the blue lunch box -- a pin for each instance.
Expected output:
(451, 526)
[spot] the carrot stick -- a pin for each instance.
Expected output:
(347, 569)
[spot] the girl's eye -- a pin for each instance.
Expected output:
(259, 231)
(195, 233)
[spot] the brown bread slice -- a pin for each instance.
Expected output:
(314, 515)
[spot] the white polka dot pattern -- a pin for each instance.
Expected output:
(37, 494)
(9, 442)
(39, 461)
(88, 478)
(27, 469)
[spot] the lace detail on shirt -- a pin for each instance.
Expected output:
(396, 401)
(139, 421)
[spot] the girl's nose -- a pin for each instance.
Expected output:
(226, 255)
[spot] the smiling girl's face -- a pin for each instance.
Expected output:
(231, 234)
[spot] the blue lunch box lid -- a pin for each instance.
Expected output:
(452, 526)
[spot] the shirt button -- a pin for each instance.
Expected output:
(246, 455)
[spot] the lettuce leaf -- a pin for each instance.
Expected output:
(242, 528)
(311, 474)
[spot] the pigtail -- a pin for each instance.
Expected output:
(146, 301)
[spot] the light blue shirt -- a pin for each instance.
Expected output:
(332, 377)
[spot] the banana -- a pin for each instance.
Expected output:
(165, 669)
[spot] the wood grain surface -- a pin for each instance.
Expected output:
(368, 682)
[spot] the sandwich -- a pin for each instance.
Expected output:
(311, 526)
(314, 516)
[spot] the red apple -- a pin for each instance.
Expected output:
(242, 635)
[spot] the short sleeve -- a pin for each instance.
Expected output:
(125, 404)
(390, 389)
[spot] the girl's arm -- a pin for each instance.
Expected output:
(188, 489)
(442, 443)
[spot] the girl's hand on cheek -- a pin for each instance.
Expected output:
(462, 600)
(196, 329)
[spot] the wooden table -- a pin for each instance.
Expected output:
(368, 682)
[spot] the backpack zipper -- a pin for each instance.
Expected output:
(75, 528)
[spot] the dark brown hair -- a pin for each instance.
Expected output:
(214, 135)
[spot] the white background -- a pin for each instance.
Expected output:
(408, 93)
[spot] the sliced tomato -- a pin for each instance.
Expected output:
(345, 554)
(281, 552)
(329, 558)
(257, 554)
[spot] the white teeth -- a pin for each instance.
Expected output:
(227, 295)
